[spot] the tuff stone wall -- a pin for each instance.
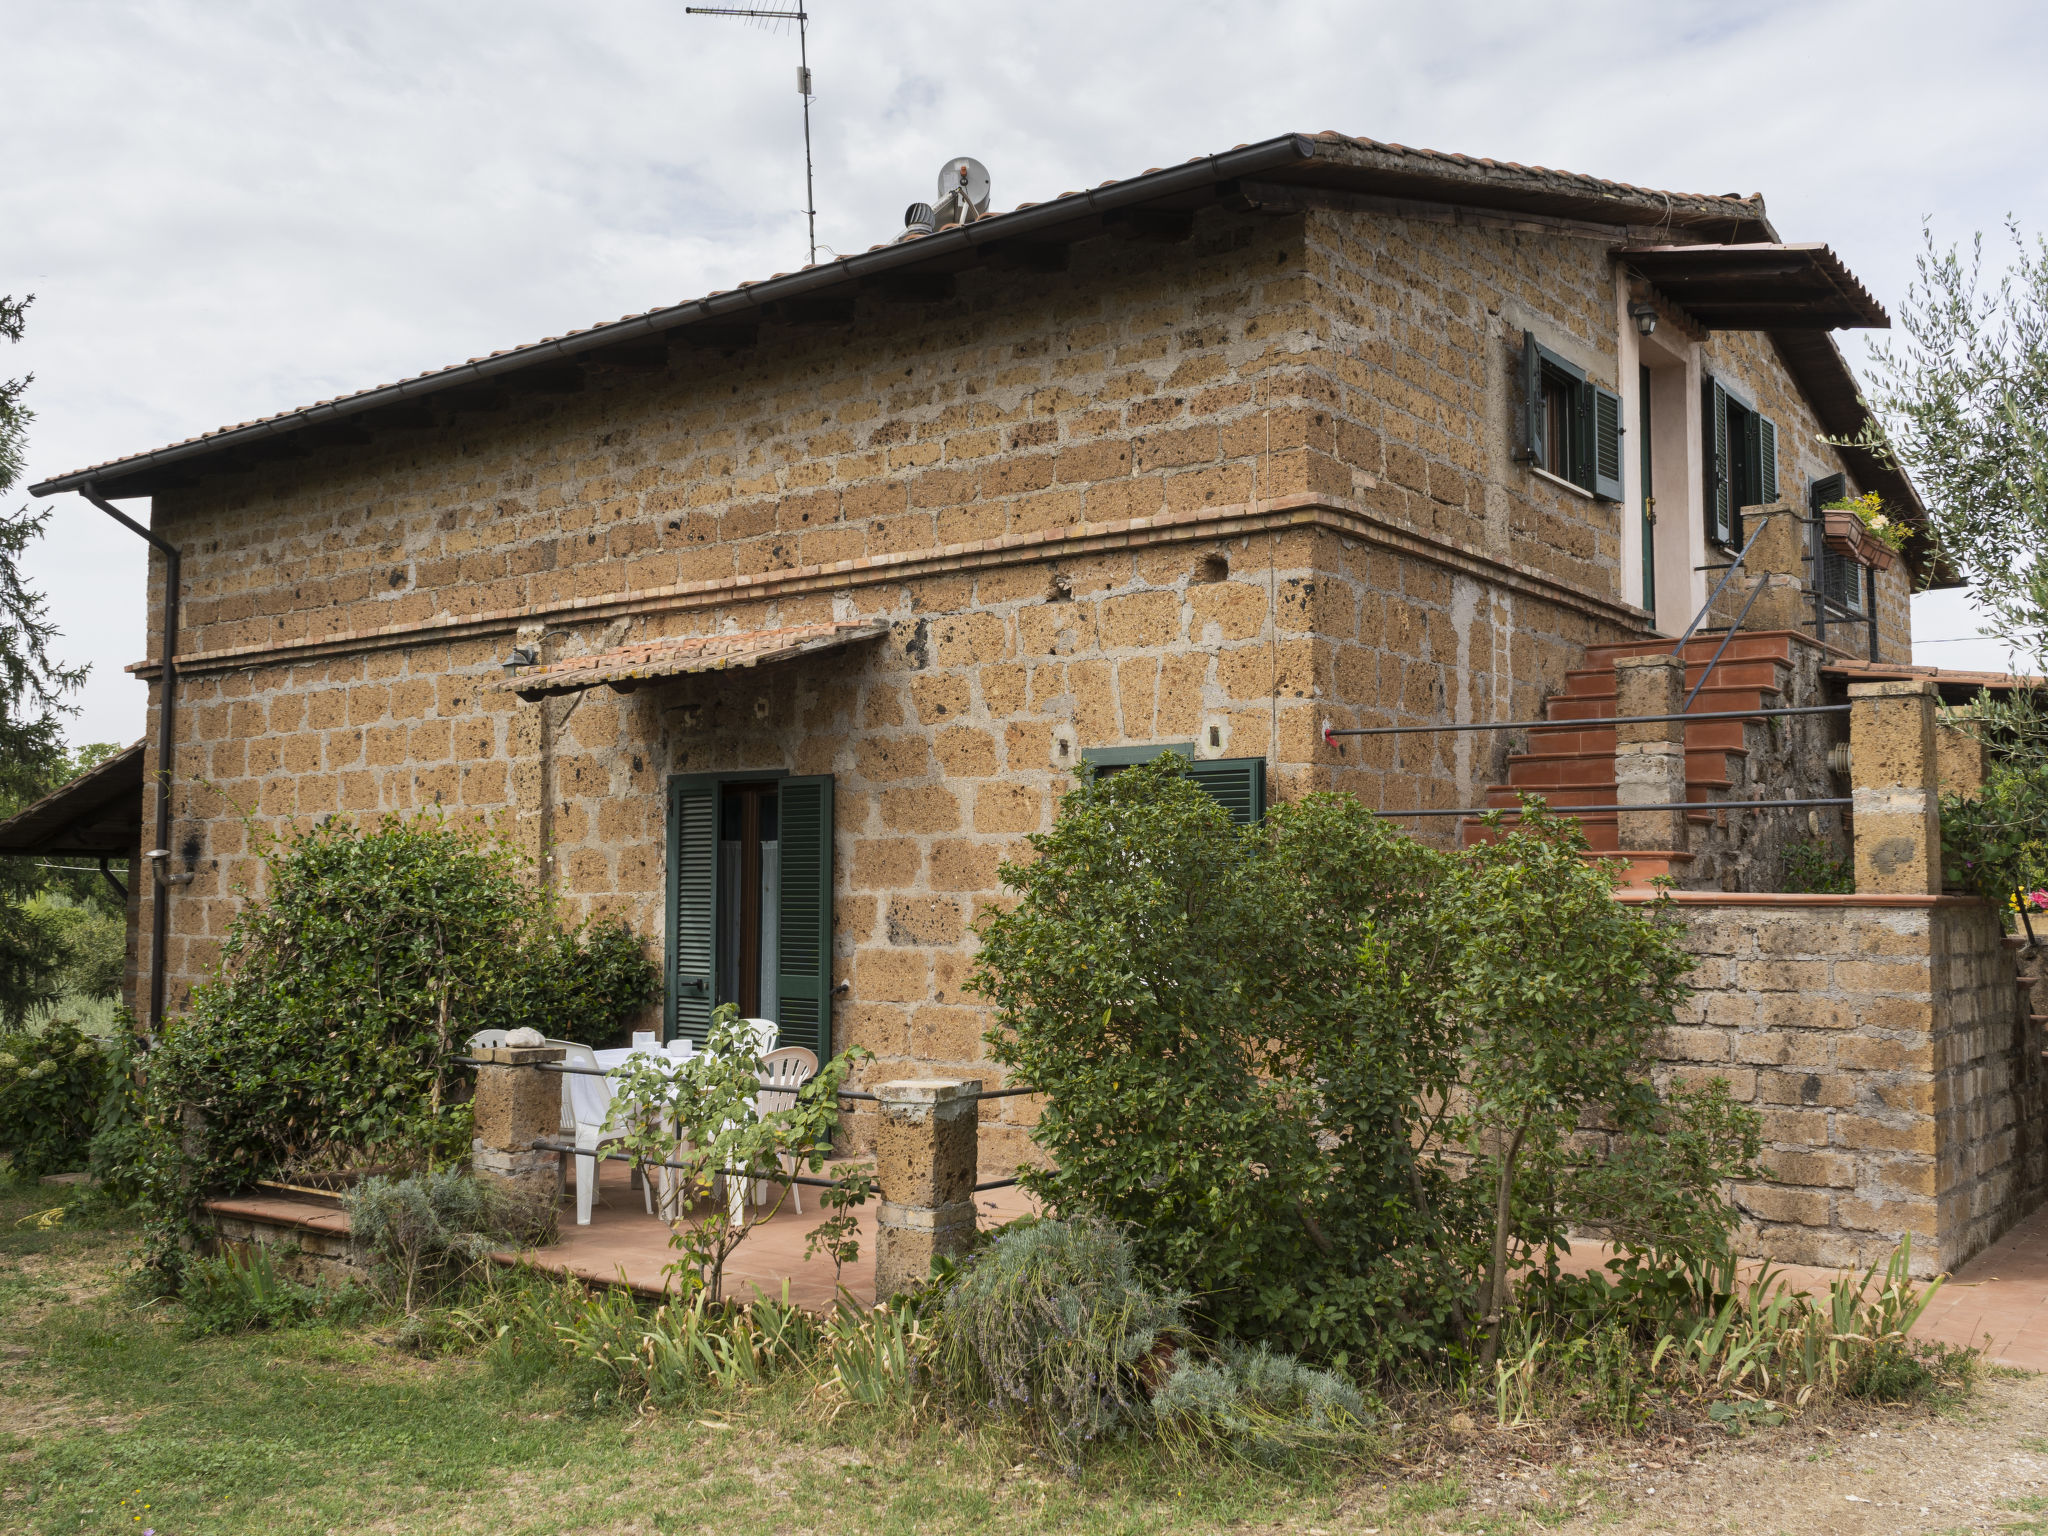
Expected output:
(1882, 1040)
(1214, 491)
(1750, 361)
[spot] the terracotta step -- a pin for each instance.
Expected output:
(1746, 645)
(1766, 673)
(1601, 836)
(1707, 736)
(1502, 797)
(1647, 864)
(1538, 770)
(1713, 700)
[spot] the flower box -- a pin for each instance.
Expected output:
(1846, 535)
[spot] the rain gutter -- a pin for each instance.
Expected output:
(159, 854)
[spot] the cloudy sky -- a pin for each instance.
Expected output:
(228, 208)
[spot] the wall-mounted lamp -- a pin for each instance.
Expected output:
(1645, 317)
(522, 656)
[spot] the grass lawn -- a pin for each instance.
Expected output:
(112, 1419)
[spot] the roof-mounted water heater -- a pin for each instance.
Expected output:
(963, 197)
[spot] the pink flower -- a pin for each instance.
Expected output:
(2038, 900)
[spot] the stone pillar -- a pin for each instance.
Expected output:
(1894, 784)
(1649, 758)
(926, 1154)
(516, 1105)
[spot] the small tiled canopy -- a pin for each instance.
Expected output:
(630, 666)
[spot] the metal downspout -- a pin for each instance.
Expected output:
(166, 743)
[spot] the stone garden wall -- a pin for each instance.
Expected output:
(1883, 1040)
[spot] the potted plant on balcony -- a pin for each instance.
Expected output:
(1859, 527)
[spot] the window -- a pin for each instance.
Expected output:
(1573, 427)
(750, 903)
(1741, 457)
(1238, 784)
(1844, 583)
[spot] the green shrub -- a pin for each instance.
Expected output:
(326, 1035)
(52, 1081)
(1256, 1404)
(118, 1146)
(1331, 1079)
(429, 1229)
(1052, 1322)
(1811, 868)
(1995, 844)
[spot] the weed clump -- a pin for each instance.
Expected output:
(1052, 1322)
(1256, 1404)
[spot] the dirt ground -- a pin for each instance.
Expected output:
(1978, 1467)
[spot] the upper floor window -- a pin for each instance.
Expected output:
(1573, 426)
(1741, 455)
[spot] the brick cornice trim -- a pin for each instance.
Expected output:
(1337, 514)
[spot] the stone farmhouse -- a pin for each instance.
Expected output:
(774, 620)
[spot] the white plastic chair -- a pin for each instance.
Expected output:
(764, 1031)
(587, 1105)
(783, 1072)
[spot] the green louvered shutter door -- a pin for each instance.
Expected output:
(692, 904)
(1238, 784)
(803, 960)
(1532, 398)
(1766, 459)
(1714, 447)
(1606, 443)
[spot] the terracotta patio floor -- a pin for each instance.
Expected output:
(2002, 1293)
(623, 1242)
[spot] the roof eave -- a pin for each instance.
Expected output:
(1248, 160)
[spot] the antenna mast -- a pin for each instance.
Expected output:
(803, 85)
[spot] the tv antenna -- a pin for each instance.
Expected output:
(803, 85)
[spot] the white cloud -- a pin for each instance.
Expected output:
(228, 209)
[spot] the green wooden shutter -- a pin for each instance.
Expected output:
(1714, 450)
(803, 959)
(1607, 430)
(1238, 784)
(1824, 490)
(1766, 459)
(1532, 398)
(692, 904)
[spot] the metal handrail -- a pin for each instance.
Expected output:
(1754, 592)
(1577, 725)
(1726, 576)
(1666, 805)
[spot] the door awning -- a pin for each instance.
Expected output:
(630, 666)
(1758, 287)
(99, 813)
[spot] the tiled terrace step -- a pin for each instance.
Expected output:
(1543, 771)
(1768, 673)
(1747, 646)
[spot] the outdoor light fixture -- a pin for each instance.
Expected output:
(1645, 317)
(522, 656)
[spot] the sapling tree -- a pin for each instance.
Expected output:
(1558, 993)
(698, 1121)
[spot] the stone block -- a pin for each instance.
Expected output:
(926, 1159)
(1895, 786)
(516, 1104)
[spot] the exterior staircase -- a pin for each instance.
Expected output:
(1571, 764)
